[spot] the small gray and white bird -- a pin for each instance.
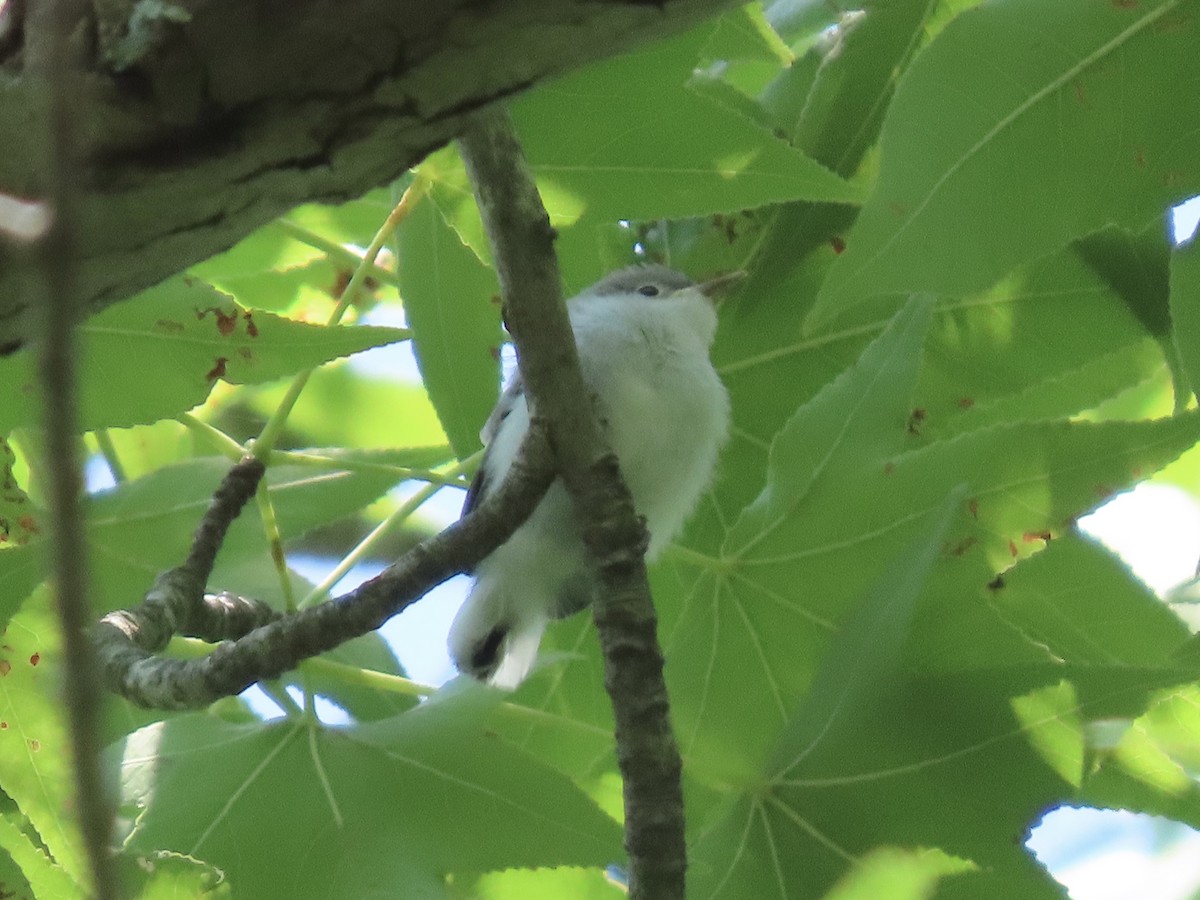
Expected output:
(643, 334)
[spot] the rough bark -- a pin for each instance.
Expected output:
(523, 246)
(204, 119)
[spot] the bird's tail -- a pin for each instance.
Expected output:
(494, 637)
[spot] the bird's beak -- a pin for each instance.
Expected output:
(718, 287)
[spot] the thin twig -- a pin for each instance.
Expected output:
(263, 643)
(523, 247)
(51, 65)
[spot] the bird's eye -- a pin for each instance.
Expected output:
(648, 290)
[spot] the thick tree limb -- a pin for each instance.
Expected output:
(523, 247)
(262, 643)
(209, 118)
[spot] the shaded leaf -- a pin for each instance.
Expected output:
(450, 303)
(379, 808)
(970, 186)
(1185, 308)
(173, 876)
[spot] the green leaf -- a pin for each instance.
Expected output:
(745, 34)
(862, 661)
(547, 884)
(344, 407)
(188, 335)
(21, 860)
(1185, 308)
(450, 300)
(767, 552)
(859, 74)
(364, 704)
(35, 745)
(970, 186)
(386, 808)
(18, 517)
(21, 570)
(629, 140)
(1085, 607)
(172, 876)
(145, 526)
(896, 875)
(1012, 352)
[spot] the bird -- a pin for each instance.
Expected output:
(644, 334)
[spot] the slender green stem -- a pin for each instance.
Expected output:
(403, 512)
(108, 450)
(356, 676)
(266, 509)
(270, 434)
(282, 698)
(222, 442)
(337, 251)
(365, 465)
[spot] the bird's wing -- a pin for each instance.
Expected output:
(504, 406)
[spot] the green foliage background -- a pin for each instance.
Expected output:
(889, 650)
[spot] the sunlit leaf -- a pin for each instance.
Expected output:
(630, 140)
(189, 336)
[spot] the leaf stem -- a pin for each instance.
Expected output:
(336, 250)
(262, 446)
(363, 465)
(104, 443)
(213, 435)
(403, 512)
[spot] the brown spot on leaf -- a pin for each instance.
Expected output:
(35, 745)
(1080, 93)
(168, 326)
(245, 353)
(5, 667)
(838, 245)
(915, 420)
(3, 725)
(1012, 549)
(218, 369)
(29, 523)
(35, 659)
(962, 546)
(226, 321)
(973, 508)
(251, 328)
(996, 583)
(889, 468)
(1030, 536)
(966, 402)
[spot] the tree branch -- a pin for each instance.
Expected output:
(55, 255)
(262, 643)
(219, 115)
(523, 247)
